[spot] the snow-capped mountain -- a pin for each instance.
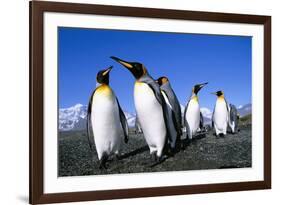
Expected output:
(74, 118)
(244, 109)
(207, 115)
(206, 112)
(131, 119)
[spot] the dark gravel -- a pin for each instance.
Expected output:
(209, 152)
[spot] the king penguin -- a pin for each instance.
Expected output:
(174, 111)
(220, 114)
(106, 118)
(233, 118)
(150, 108)
(193, 118)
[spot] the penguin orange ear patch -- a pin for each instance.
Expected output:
(144, 70)
(164, 80)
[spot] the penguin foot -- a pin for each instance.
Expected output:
(126, 139)
(159, 160)
(154, 157)
(171, 151)
(152, 160)
(200, 135)
(102, 166)
(103, 162)
(221, 135)
(184, 143)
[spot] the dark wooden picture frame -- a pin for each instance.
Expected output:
(37, 10)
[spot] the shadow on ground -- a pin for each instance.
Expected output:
(206, 152)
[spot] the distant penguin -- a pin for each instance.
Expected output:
(106, 118)
(193, 118)
(174, 111)
(233, 118)
(150, 108)
(220, 114)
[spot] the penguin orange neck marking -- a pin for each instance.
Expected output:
(104, 89)
(195, 97)
(138, 83)
(221, 98)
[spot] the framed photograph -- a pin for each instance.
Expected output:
(139, 102)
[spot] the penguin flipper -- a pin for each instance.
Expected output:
(157, 92)
(177, 122)
(173, 100)
(187, 128)
(176, 113)
(227, 108)
(124, 123)
(201, 125)
(187, 132)
(178, 116)
(213, 117)
(233, 113)
(89, 111)
(171, 122)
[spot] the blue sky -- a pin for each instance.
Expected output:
(186, 59)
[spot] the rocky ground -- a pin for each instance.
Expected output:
(209, 152)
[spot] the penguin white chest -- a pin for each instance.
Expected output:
(150, 116)
(221, 115)
(105, 121)
(192, 115)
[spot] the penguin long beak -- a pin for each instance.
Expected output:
(198, 87)
(107, 71)
(203, 84)
(218, 93)
(122, 62)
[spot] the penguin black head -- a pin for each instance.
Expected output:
(103, 76)
(218, 93)
(162, 80)
(197, 87)
(137, 69)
